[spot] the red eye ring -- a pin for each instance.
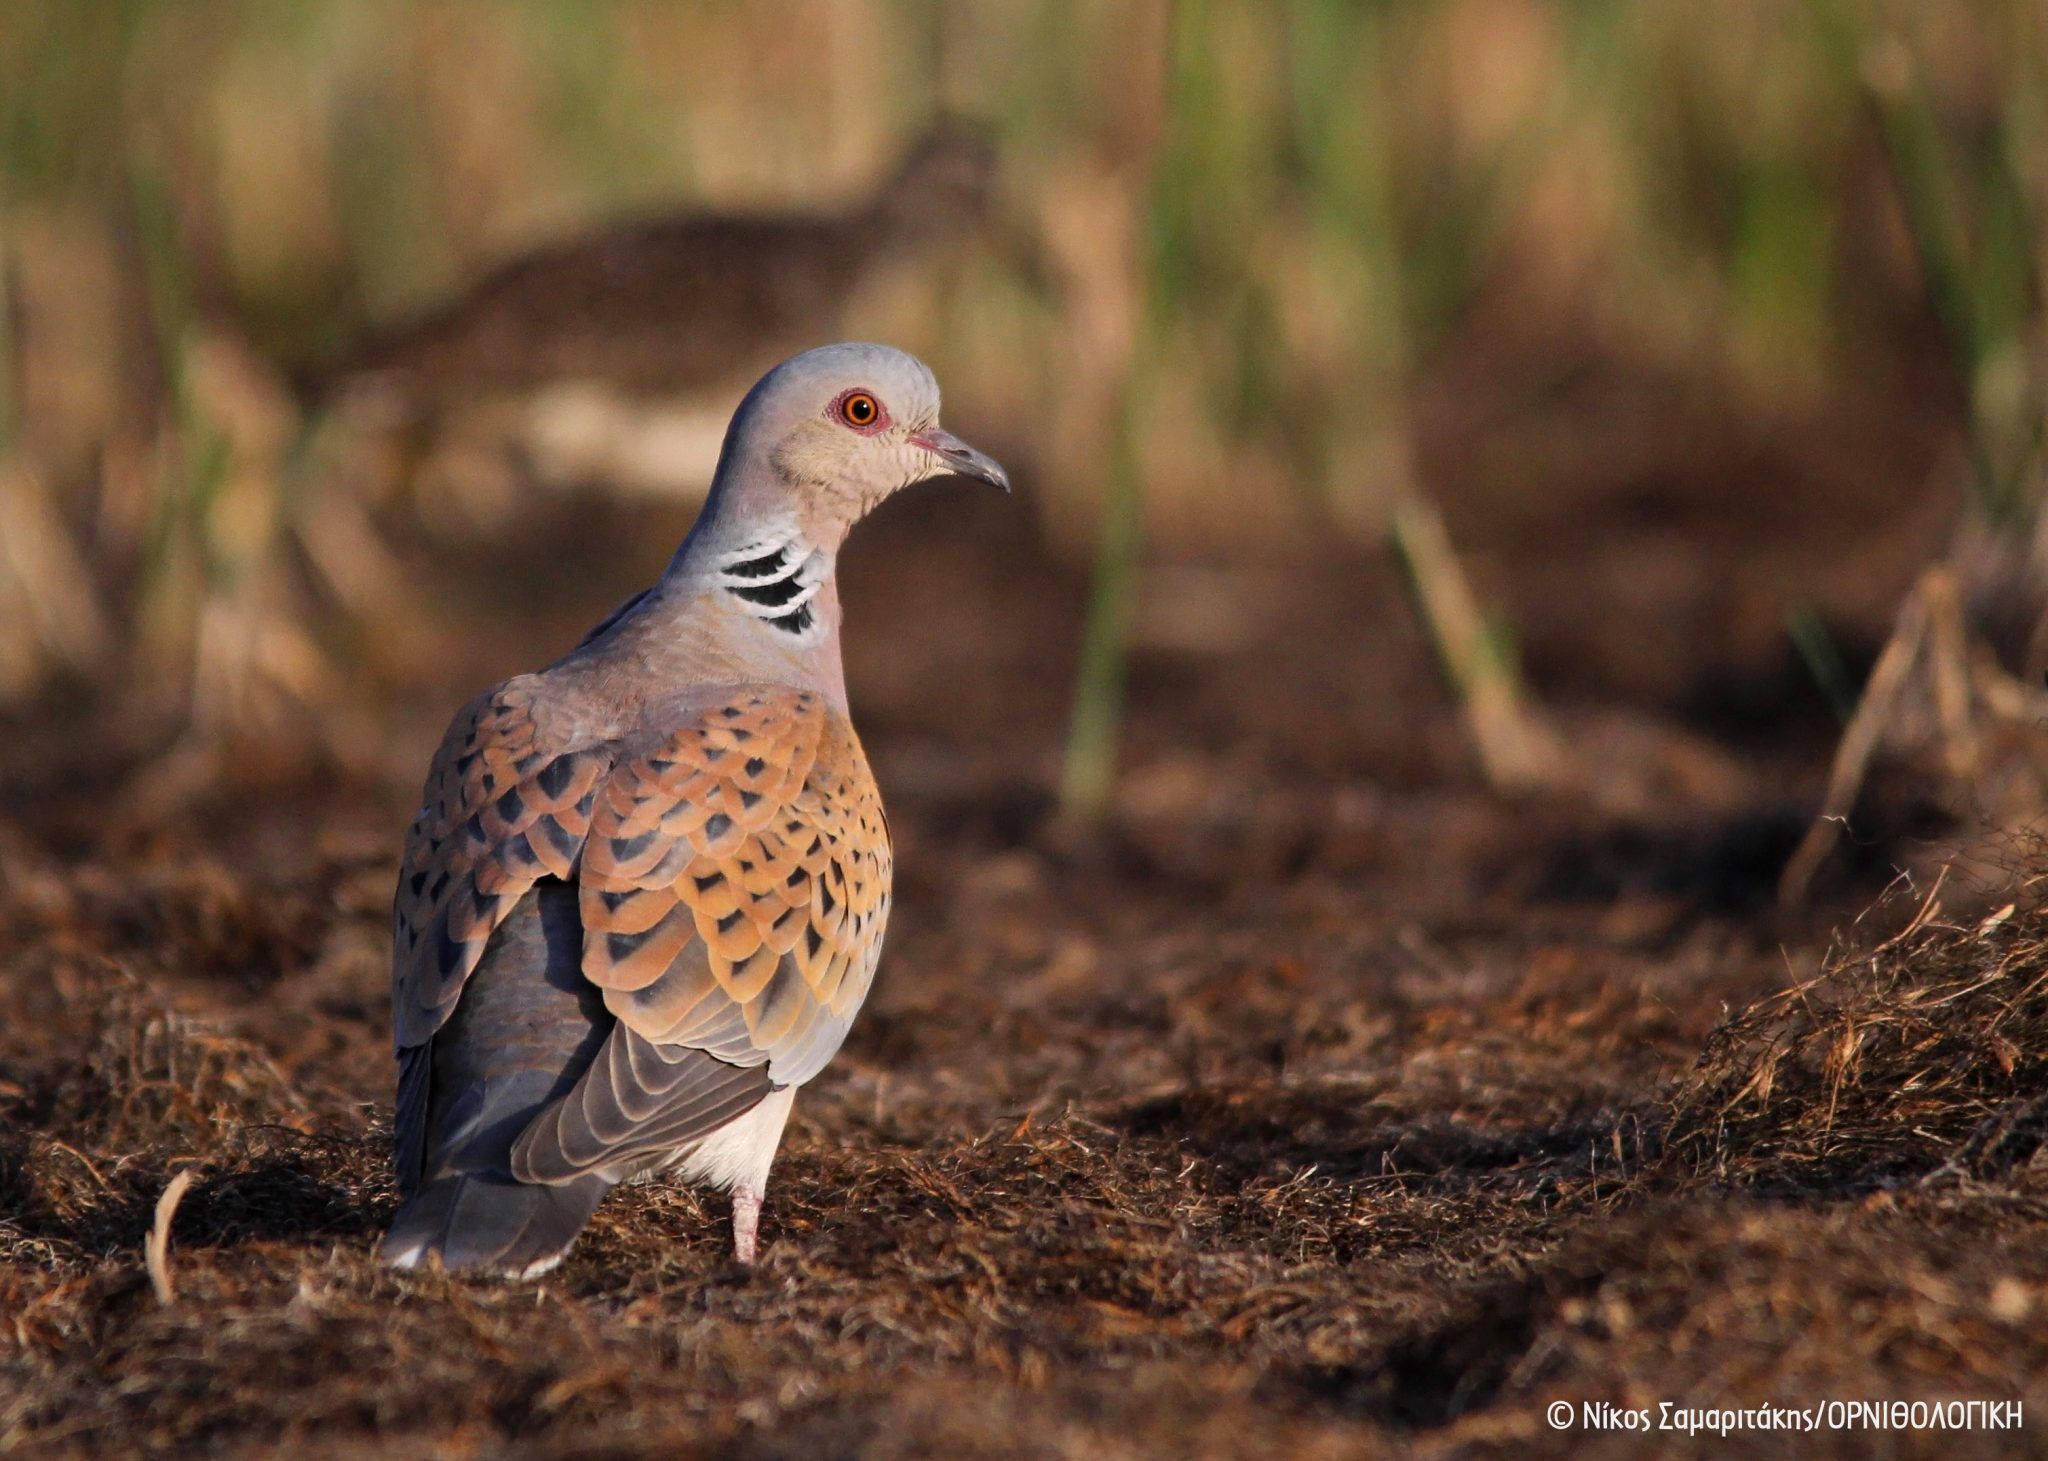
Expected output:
(861, 410)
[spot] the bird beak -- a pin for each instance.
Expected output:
(955, 455)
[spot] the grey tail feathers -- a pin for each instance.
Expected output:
(481, 1222)
(527, 1026)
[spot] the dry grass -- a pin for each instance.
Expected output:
(1916, 1064)
(1259, 1180)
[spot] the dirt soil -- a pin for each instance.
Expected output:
(1319, 1105)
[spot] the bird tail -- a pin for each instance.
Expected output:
(481, 1222)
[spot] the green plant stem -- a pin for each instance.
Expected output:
(1823, 660)
(8, 360)
(1961, 292)
(1099, 685)
(1090, 771)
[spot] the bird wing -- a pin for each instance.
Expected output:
(733, 882)
(734, 889)
(508, 801)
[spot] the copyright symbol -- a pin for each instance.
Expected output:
(1560, 1415)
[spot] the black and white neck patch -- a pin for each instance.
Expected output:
(774, 578)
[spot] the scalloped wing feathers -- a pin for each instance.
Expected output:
(733, 878)
(507, 803)
(755, 834)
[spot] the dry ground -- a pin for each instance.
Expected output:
(1319, 1105)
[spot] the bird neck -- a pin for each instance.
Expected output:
(750, 596)
(769, 569)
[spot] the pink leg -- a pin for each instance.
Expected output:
(746, 1217)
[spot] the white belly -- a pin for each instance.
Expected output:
(739, 1153)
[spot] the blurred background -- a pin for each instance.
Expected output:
(358, 351)
(1528, 522)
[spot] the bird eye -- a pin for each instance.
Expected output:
(860, 410)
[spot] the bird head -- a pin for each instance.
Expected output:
(830, 433)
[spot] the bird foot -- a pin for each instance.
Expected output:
(746, 1217)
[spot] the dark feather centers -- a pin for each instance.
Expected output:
(768, 565)
(775, 580)
(776, 594)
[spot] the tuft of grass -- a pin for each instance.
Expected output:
(1912, 1063)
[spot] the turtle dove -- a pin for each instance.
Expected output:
(646, 892)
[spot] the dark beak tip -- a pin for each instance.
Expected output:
(964, 461)
(997, 479)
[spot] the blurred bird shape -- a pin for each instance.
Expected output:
(597, 360)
